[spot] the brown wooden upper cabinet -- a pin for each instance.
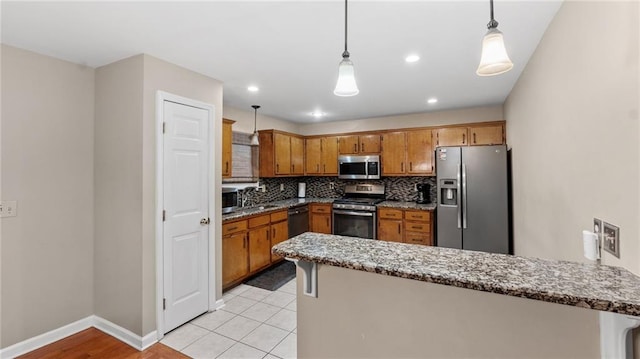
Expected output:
(321, 156)
(281, 154)
(477, 135)
(359, 144)
(486, 135)
(420, 152)
(227, 139)
(452, 136)
(394, 153)
(407, 153)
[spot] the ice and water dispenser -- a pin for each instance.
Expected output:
(448, 192)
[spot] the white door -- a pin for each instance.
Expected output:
(186, 216)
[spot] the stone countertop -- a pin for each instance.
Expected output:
(407, 205)
(593, 286)
(273, 206)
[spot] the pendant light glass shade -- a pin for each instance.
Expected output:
(494, 59)
(346, 85)
(254, 136)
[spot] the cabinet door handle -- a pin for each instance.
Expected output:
(244, 241)
(464, 138)
(324, 168)
(474, 137)
(317, 168)
(355, 148)
(437, 138)
(268, 234)
(401, 166)
(277, 167)
(410, 166)
(398, 228)
(362, 147)
(227, 166)
(293, 168)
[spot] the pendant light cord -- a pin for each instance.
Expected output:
(345, 53)
(492, 23)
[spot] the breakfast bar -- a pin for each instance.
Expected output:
(441, 302)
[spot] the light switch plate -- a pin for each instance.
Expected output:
(8, 209)
(611, 238)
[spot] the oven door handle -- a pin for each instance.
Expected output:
(352, 213)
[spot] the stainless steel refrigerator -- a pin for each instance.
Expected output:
(473, 198)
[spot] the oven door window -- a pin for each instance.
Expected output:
(354, 223)
(353, 168)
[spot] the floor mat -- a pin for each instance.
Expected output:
(275, 277)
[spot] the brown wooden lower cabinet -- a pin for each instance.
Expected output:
(246, 245)
(235, 256)
(406, 226)
(320, 218)
(259, 248)
(279, 233)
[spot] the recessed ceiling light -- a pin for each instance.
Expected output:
(317, 114)
(432, 101)
(412, 58)
(253, 89)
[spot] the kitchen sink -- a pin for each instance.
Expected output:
(267, 206)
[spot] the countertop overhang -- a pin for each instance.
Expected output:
(586, 285)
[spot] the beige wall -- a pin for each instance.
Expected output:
(118, 193)
(161, 75)
(245, 119)
(572, 120)
(366, 315)
(475, 114)
(47, 166)
(126, 183)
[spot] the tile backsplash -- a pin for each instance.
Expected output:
(396, 188)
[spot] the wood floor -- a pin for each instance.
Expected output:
(92, 343)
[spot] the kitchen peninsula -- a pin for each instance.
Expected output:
(440, 302)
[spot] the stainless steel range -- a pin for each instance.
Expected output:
(354, 215)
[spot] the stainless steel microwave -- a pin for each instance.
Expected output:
(359, 167)
(229, 199)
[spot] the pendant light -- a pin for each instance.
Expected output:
(494, 59)
(254, 137)
(346, 85)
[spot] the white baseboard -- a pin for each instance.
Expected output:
(116, 331)
(125, 335)
(219, 304)
(49, 337)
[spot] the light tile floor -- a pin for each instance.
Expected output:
(254, 323)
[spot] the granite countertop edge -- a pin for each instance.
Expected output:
(293, 202)
(552, 295)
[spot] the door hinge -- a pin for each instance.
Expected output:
(164, 127)
(164, 303)
(164, 215)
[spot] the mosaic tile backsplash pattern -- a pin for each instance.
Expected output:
(397, 188)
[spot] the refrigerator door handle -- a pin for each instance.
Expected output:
(464, 196)
(458, 197)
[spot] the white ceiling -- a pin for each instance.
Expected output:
(291, 49)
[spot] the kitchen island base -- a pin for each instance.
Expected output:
(362, 314)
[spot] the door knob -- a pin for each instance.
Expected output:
(204, 221)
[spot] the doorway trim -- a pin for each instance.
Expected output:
(213, 303)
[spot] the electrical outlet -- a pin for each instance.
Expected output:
(332, 185)
(415, 187)
(597, 226)
(281, 187)
(611, 238)
(8, 208)
(262, 188)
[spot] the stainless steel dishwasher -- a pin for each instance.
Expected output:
(298, 220)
